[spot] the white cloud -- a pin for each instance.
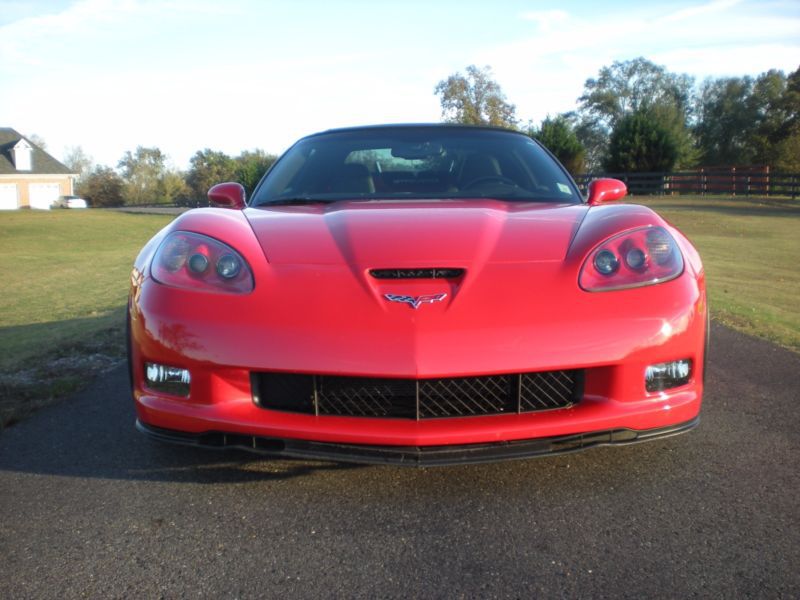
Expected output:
(544, 73)
(110, 75)
(33, 41)
(546, 20)
(700, 9)
(109, 102)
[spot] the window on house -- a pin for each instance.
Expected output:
(22, 156)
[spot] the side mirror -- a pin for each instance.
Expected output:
(227, 195)
(606, 190)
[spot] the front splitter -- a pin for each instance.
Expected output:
(421, 456)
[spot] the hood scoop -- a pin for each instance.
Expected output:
(424, 273)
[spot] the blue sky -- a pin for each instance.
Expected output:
(183, 75)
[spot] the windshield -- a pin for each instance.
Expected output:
(399, 163)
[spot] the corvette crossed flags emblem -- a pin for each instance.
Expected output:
(415, 301)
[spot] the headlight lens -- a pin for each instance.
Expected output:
(635, 258)
(228, 266)
(183, 258)
(606, 262)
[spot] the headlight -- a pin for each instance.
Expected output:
(198, 262)
(635, 258)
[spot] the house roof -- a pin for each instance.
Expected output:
(41, 162)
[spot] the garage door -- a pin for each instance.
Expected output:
(8, 196)
(42, 195)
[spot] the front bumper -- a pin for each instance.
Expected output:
(613, 337)
(429, 456)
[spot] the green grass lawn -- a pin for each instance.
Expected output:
(751, 252)
(65, 280)
(63, 266)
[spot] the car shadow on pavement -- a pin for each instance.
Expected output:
(190, 465)
(92, 434)
(133, 457)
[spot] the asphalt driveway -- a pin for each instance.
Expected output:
(90, 508)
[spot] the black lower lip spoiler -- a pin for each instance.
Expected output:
(422, 456)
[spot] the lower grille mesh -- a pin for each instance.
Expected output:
(417, 398)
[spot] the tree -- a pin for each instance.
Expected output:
(627, 87)
(143, 172)
(207, 168)
(787, 153)
(640, 143)
(594, 140)
(745, 121)
(102, 186)
(37, 141)
(77, 161)
(558, 136)
(726, 121)
(174, 188)
(630, 87)
(787, 137)
(475, 99)
(791, 100)
(674, 120)
(775, 117)
(251, 166)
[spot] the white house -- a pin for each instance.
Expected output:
(29, 176)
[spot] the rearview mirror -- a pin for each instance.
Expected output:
(421, 151)
(606, 190)
(227, 195)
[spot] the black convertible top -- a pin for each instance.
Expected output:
(401, 126)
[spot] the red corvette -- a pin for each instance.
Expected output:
(420, 294)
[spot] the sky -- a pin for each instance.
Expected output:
(233, 75)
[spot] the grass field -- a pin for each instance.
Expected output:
(65, 279)
(64, 286)
(751, 252)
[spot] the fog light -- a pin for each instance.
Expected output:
(667, 375)
(167, 379)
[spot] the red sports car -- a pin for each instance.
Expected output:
(417, 294)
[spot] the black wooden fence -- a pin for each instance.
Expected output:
(719, 182)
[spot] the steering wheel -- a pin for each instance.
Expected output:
(488, 178)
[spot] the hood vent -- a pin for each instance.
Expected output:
(435, 273)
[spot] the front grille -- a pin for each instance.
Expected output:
(438, 273)
(417, 398)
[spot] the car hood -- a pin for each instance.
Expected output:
(414, 233)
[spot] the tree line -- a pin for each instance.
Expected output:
(637, 116)
(145, 177)
(634, 116)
